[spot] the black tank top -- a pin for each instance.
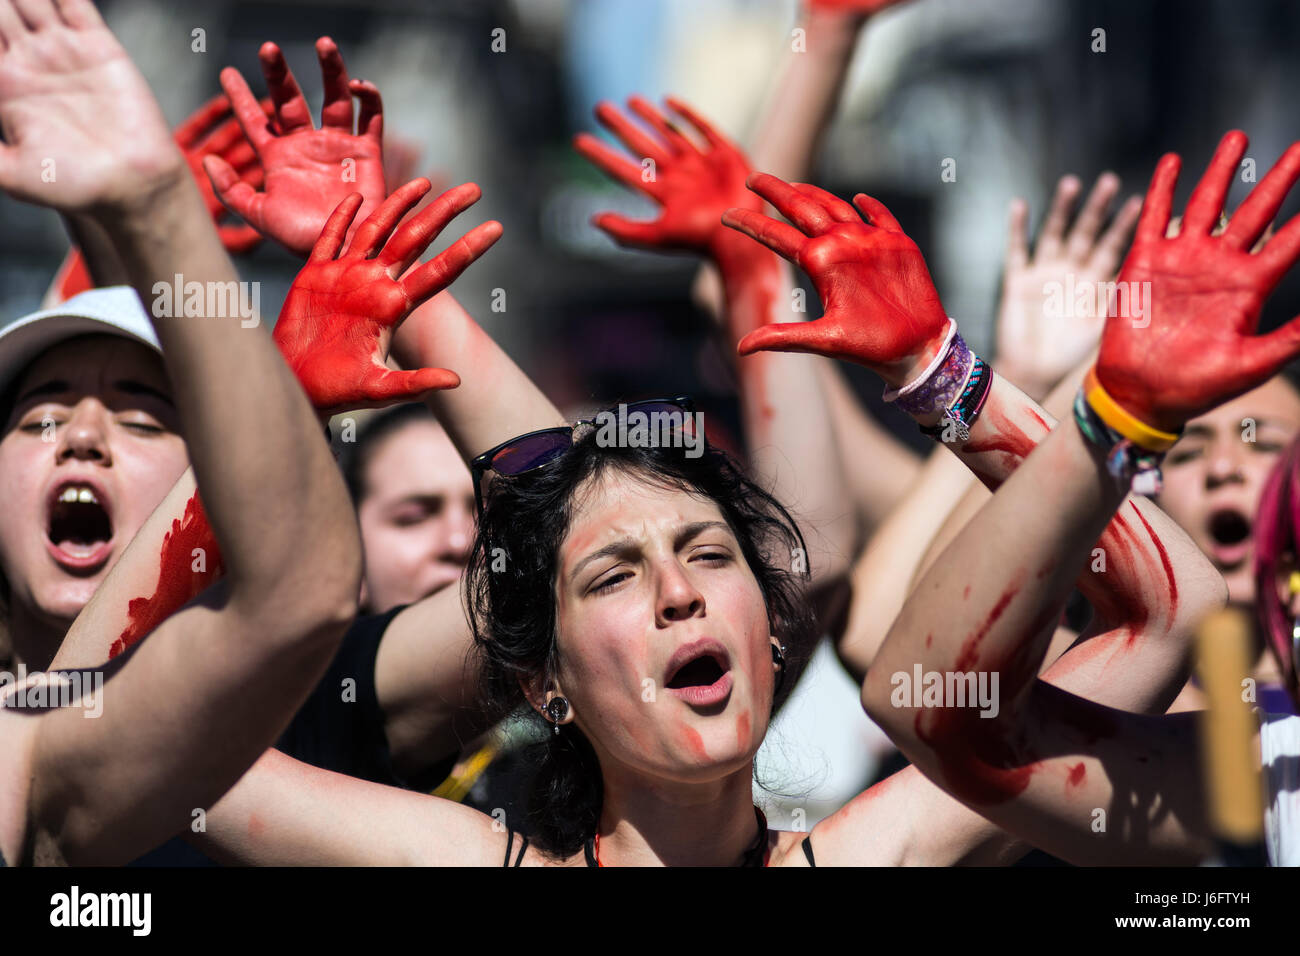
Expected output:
(591, 856)
(510, 842)
(807, 849)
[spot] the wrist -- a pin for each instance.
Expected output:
(1024, 378)
(735, 254)
(1144, 428)
(909, 371)
(830, 22)
(151, 208)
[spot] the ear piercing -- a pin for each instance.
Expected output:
(557, 708)
(778, 658)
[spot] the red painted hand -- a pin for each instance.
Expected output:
(339, 316)
(308, 171)
(1190, 343)
(881, 309)
(695, 185)
(213, 130)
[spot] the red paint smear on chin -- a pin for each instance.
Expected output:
(178, 583)
(695, 743)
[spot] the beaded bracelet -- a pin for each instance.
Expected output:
(1133, 467)
(961, 414)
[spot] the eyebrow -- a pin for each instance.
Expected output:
(132, 387)
(624, 545)
(127, 386)
(54, 387)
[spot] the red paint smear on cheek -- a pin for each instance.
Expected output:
(742, 731)
(178, 583)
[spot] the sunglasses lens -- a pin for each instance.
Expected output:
(681, 419)
(531, 452)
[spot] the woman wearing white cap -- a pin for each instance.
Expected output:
(165, 740)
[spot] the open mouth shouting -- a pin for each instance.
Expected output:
(1230, 539)
(699, 673)
(78, 526)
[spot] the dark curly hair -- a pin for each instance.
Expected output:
(510, 599)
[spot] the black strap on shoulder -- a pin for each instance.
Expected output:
(510, 842)
(807, 849)
(523, 848)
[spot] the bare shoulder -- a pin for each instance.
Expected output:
(872, 829)
(17, 735)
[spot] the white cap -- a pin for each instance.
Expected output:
(111, 311)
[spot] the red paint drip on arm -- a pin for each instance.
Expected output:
(1164, 559)
(1077, 773)
(178, 582)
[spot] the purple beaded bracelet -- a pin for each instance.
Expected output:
(935, 389)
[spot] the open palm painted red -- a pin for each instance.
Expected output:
(339, 316)
(693, 183)
(308, 171)
(1199, 345)
(880, 306)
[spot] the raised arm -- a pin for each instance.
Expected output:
(105, 790)
(426, 678)
(210, 130)
(877, 468)
(308, 170)
(1042, 766)
(1042, 341)
(784, 407)
(1014, 589)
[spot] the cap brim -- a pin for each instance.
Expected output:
(111, 311)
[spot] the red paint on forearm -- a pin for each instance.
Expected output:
(1076, 775)
(1008, 439)
(178, 582)
(1164, 560)
(985, 761)
(751, 284)
(969, 653)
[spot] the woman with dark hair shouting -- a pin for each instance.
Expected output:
(641, 598)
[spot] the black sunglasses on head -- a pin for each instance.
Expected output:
(538, 449)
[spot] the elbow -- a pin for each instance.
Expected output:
(1209, 594)
(878, 702)
(313, 596)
